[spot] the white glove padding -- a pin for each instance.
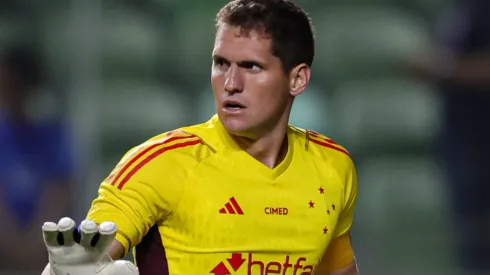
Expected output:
(83, 250)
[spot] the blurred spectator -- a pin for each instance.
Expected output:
(35, 163)
(461, 66)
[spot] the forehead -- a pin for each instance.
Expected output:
(237, 43)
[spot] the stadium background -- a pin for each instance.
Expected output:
(122, 71)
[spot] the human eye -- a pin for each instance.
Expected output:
(252, 66)
(219, 62)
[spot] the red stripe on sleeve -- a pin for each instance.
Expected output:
(329, 145)
(154, 155)
(317, 135)
(142, 153)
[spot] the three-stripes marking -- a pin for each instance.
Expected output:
(325, 142)
(232, 207)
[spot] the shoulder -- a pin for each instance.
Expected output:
(172, 141)
(190, 144)
(178, 143)
(322, 148)
(176, 151)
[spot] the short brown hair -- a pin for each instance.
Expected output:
(287, 23)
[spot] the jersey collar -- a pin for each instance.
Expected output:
(233, 150)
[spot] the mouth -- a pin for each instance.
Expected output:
(233, 105)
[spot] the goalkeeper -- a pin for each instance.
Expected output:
(244, 193)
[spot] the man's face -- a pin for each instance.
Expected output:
(250, 88)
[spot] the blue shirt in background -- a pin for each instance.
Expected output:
(32, 156)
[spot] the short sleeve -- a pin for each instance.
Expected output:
(138, 194)
(339, 255)
(349, 200)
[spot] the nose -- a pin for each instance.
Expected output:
(233, 80)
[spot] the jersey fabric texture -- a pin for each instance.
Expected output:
(190, 201)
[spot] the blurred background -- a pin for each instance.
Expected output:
(404, 85)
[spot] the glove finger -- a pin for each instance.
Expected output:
(66, 227)
(88, 231)
(107, 234)
(50, 234)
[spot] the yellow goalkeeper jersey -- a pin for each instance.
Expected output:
(192, 202)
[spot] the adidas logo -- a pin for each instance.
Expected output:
(232, 207)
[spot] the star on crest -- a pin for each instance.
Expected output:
(322, 191)
(312, 204)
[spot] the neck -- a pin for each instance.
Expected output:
(270, 149)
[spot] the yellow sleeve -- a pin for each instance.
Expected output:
(142, 190)
(339, 255)
(350, 197)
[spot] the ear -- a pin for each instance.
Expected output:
(299, 77)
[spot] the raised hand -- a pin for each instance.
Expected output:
(82, 250)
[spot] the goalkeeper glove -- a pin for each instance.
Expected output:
(83, 250)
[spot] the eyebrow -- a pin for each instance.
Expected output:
(241, 62)
(218, 57)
